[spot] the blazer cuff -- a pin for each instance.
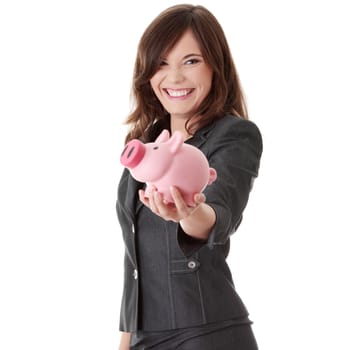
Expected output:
(223, 227)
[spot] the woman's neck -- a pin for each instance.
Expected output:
(177, 124)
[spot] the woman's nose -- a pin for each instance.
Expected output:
(175, 75)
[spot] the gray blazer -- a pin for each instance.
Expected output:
(170, 279)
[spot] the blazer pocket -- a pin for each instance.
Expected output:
(181, 266)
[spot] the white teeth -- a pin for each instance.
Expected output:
(178, 93)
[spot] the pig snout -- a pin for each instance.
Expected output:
(132, 154)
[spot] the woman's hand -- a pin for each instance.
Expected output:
(176, 211)
(124, 341)
(197, 221)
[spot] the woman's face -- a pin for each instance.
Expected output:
(183, 79)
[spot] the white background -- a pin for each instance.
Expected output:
(65, 73)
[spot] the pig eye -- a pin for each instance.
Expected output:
(155, 147)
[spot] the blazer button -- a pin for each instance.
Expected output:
(192, 264)
(135, 274)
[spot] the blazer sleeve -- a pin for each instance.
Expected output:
(234, 152)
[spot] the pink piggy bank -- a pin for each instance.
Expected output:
(168, 162)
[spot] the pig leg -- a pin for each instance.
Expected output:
(212, 176)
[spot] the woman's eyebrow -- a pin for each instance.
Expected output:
(192, 54)
(186, 56)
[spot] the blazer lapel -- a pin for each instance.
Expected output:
(200, 137)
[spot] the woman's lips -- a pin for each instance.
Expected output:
(178, 93)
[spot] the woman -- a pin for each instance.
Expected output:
(178, 289)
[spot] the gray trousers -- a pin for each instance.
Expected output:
(223, 336)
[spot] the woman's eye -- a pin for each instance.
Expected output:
(191, 61)
(162, 63)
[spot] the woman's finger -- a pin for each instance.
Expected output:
(164, 210)
(152, 202)
(180, 204)
(143, 199)
(199, 198)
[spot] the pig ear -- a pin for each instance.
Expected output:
(163, 136)
(176, 141)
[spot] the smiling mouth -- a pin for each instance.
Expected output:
(178, 92)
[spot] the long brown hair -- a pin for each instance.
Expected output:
(226, 95)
